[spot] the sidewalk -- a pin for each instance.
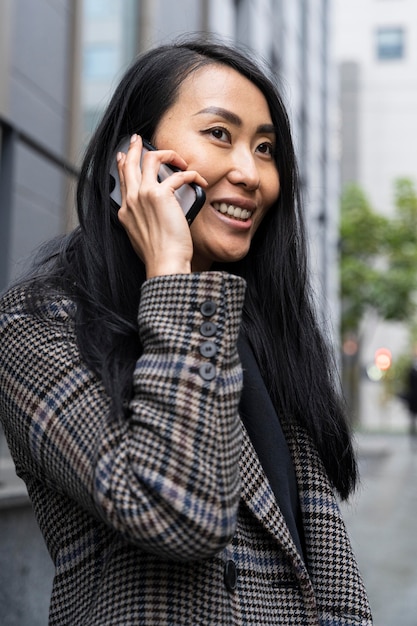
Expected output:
(382, 521)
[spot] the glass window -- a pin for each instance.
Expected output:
(390, 43)
(98, 9)
(110, 31)
(100, 61)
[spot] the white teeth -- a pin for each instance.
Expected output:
(233, 211)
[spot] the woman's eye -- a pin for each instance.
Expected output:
(220, 134)
(266, 148)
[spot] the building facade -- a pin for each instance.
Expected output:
(59, 62)
(378, 58)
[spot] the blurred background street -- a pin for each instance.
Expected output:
(381, 520)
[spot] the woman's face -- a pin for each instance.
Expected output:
(221, 125)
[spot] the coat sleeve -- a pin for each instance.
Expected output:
(166, 476)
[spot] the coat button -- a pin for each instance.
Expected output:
(208, 329)
(208, 349)
(230, 576)
(207, 371)
(208, 308)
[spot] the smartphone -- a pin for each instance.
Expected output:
(191, 197)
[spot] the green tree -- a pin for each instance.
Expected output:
(378, 269)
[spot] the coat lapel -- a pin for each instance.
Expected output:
(334, 573)
(260, 500)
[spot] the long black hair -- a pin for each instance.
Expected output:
(96, 265)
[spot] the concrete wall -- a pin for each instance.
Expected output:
(25, 569)
(387, 92)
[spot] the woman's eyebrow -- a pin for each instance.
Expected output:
(224, 113)
(266, 129)
(232, 118)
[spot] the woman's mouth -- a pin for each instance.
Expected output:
(232, 211)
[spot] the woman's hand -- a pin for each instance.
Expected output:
(150, 213)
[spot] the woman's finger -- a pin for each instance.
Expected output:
(153, 161)
(131, 166)
(120, 158)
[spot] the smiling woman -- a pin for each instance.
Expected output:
(230, 142)
(164, 388)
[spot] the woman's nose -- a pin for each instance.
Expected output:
(244, 170)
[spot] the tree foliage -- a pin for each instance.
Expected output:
(378, 257)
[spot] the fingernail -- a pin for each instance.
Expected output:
(133, 138)
(118, 156)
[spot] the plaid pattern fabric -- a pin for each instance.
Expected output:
(143, 515)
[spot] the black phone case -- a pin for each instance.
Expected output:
(191, 197)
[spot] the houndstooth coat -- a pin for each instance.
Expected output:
(166, 517)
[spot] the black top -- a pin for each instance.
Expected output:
(412, 390)
(264, 429)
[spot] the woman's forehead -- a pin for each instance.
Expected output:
(219, 86)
